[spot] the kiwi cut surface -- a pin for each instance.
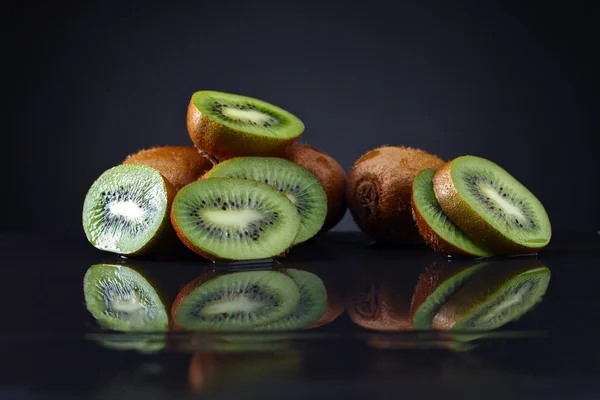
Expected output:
(379, 192)
(236, 301)
(438, 231)
(126, 210)
(121, 299)
(330, 174)
(181, 165)
(311, 306)
(226, 219)
(491, 206)
(300, 186)
(502, 292)
(227, 125)
(435, 285)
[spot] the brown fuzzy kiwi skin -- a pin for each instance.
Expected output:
(181, 165)
(379, 299)
(222, 143)
(164, 236)
(379, 192)
(468, 220)
(331, 175)
(431, 238)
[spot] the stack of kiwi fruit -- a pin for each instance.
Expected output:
(245, 189)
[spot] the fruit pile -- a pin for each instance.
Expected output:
(247, 190)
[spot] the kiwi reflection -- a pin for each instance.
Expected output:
(259, 300)
(210, 371)
(121, 298)
(448, 296)
(379, 298)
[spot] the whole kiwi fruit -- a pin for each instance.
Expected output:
(181, 165)
(331, 175)
(379, 192)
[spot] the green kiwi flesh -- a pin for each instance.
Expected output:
(496, 296)
(234, 219)
(248, 114)
(238, 301)
(297, 183)
(121, 299)
(440, 281)
(502, 202)
(311, 306)
(126, 209)
(431, 213)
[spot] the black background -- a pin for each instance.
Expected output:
(90, 82)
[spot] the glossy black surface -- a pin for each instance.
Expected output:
(52, 346)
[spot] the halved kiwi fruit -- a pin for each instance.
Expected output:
(299, 185)
(500, 293)
(235, 301)
(234, 219)
(311, 306)
(227, 125)
(435, 285)
(491, 206)
(121, 299)
(331, 175)
(438, 231)
(379, 192)
(126, 210)
(181, 165)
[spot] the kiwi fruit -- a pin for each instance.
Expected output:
(126, 210)
(435, 285)
(300, 186)
(235, 301)
(331, 175)
(491, 207)
(226, 125)
(226, 219)
(181, 165)
(311, 306)
(379, 298)
(500, 293)
(379, 192)
(335, 294)
(438, 231)
(121, 299)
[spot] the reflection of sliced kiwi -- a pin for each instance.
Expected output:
(491, 206)
(126, 210)
(435, 227)
(181, 165)
(121, 299)
(142, 343)
(379, 298)
(331, 175)
(300, 186)
(311, 306)
(234, 219)
(500, 293)
(235, 301)
(228, 125)
(436, 284)
(335, 294)
(379, 192)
